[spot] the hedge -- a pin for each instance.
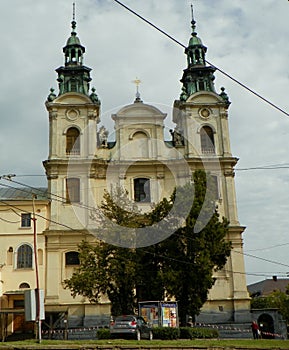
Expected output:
(103, 333)
(199, 333)
(167, 333)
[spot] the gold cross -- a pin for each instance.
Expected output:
(137, 82)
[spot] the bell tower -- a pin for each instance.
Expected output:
(201, 116)
(73, 117)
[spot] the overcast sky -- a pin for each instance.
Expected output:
(246, 38)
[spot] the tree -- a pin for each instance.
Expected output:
(181, 266)
(107, 269)
(196, 249)
(276, 300)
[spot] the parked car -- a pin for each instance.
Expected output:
(130, 326)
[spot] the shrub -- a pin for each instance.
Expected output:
(103, 333)
(166, 333)
(200, 333)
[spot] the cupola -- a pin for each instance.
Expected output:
(197, 76)
(73, 76)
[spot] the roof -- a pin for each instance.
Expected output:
(23, 193)
(268, 286)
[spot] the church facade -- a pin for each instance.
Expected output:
(83, 162)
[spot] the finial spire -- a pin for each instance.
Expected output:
(193, 22)
(73, 14)
(137, 81)
(73, 23)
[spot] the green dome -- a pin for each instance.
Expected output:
(195, 41)
(73, 40)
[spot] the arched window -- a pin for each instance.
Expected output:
(72, 190)
(24, 285)
(24, 257)
(207, 140)
(142, 191)
(72, 141)
(71, 258)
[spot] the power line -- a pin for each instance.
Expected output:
(66, 226)
(263, 259)
(266, 248)
(163, 256)
(217, 68)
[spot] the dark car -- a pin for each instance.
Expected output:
(130, 326)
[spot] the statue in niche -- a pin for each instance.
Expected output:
(177, 137)
(224, 96)
(61, 83)
(93, 96)
(102, 137)
(51, 96)
(184, 95)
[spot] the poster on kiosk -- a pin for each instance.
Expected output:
(160, 313)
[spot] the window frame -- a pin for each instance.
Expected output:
(142, 187)
(207, 140)
(26, 220)
(72, 185)
(72, 141)
(72, 258)
(24, 257)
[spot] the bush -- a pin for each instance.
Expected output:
(103, 333)
(166, 333)
(199, 333)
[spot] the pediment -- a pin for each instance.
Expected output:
(205, 97)
(72, 98)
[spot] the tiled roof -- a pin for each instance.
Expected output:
(23, 193)
(268, 286)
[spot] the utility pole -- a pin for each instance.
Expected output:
(37, 290)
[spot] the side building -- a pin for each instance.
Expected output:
(24, 217)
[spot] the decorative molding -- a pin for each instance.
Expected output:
(52, 115)
(72, 114)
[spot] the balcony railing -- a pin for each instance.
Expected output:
(73, 152)
(208, 150)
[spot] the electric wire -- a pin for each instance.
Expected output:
(40, 216)
(214, 66)
(163, 256)
(266, 248)
(86, 207)
(64, 201)
(57, 198)
(263, 259)
(9, 221)
(70, 228)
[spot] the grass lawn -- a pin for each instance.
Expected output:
(144, 344)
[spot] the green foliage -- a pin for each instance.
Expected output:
(280, 300)
(182, 265)
(260, 303)
(198, 333)
(276, 300)
(105, 269)
(170, 333)
(195, 249)
(103, 333)
(166, 333)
